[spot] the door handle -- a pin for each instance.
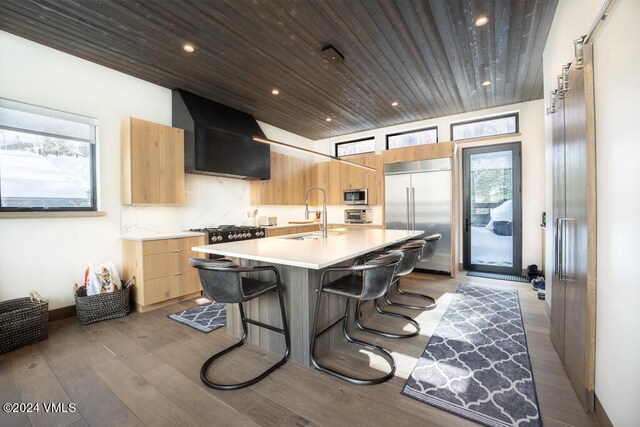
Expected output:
(408, 215)
(556, 261)
(563, 230)
(466, 224)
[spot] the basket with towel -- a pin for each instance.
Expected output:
(104, 296)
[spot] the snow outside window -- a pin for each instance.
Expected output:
(360, 146)
(412, 138)
(47, 159)
(489, 126)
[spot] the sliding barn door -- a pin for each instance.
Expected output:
(558, 284)
(574, 283)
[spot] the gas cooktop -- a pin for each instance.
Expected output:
(230, 233)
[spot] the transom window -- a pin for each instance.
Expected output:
(359, 146)
(488, 126)
(47, 159)
(412, 138)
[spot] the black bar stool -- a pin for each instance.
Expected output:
(429, 248)
(411, 253)
(365, 282)
(222, 281)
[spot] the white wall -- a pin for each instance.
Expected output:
(50, 254)
(617, 98)
(533, 181)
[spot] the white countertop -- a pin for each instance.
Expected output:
(144, 236)
(313, 254)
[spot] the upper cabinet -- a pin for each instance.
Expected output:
(420, 152)
(352, 177)
(335, 177)
(290, 177)
(152, 163)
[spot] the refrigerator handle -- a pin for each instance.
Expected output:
(408, 211)
(413, 207)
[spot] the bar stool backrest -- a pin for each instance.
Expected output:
(221, 280)
(376, 281)
(412, 251)
(430, 247)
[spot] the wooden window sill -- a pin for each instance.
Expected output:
(57, 214)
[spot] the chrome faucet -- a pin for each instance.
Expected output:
(324, 208)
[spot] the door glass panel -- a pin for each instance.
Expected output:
(491, 194)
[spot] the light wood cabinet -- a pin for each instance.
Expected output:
(335, 177)
(162, 270)
(420, 152)
(290, 177)
(352, 177)
(294, 229)
(152, 163)
(326, 175)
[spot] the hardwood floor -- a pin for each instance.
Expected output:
(144, 370)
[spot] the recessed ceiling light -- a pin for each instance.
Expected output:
(481, 20)
(328, 119)
(394, 104)
(188, 47)
(275, 92)
(486, 83)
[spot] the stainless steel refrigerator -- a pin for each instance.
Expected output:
(418, 197)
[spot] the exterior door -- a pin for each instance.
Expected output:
(492, 203)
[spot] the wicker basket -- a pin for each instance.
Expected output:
(95, 308)
(23, 321)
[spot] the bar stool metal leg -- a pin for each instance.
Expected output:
(284, 330)
(345, 330)
(410, 294)
(379, 309)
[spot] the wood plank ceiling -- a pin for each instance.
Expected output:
(426, 55)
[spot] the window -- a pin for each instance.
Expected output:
(412, 138)
(490, 126)
(359, 146)
(47, 159)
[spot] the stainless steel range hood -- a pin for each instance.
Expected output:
(218, 138)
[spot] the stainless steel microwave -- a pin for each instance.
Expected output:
(355, 197)
(358, 216)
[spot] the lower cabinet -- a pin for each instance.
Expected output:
(294, 229)
(162, 270)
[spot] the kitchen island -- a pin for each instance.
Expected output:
(301, 260)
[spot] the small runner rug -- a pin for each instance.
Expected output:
(205, 318)
(476, 364)
(508, 277)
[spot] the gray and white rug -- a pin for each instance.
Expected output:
(205, 318)
(476, 364)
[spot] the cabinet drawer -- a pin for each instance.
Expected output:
(160, 265)
(189, 283)
(176, 285)
(151, 247)
(160, 289)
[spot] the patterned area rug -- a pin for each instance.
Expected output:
(476, 364)
(508, 277)
(205, 318)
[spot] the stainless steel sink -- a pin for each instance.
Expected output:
(308, 236)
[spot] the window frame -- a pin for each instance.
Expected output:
(50, 112)
(515, 114)
(386, 144)
(372, 138)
